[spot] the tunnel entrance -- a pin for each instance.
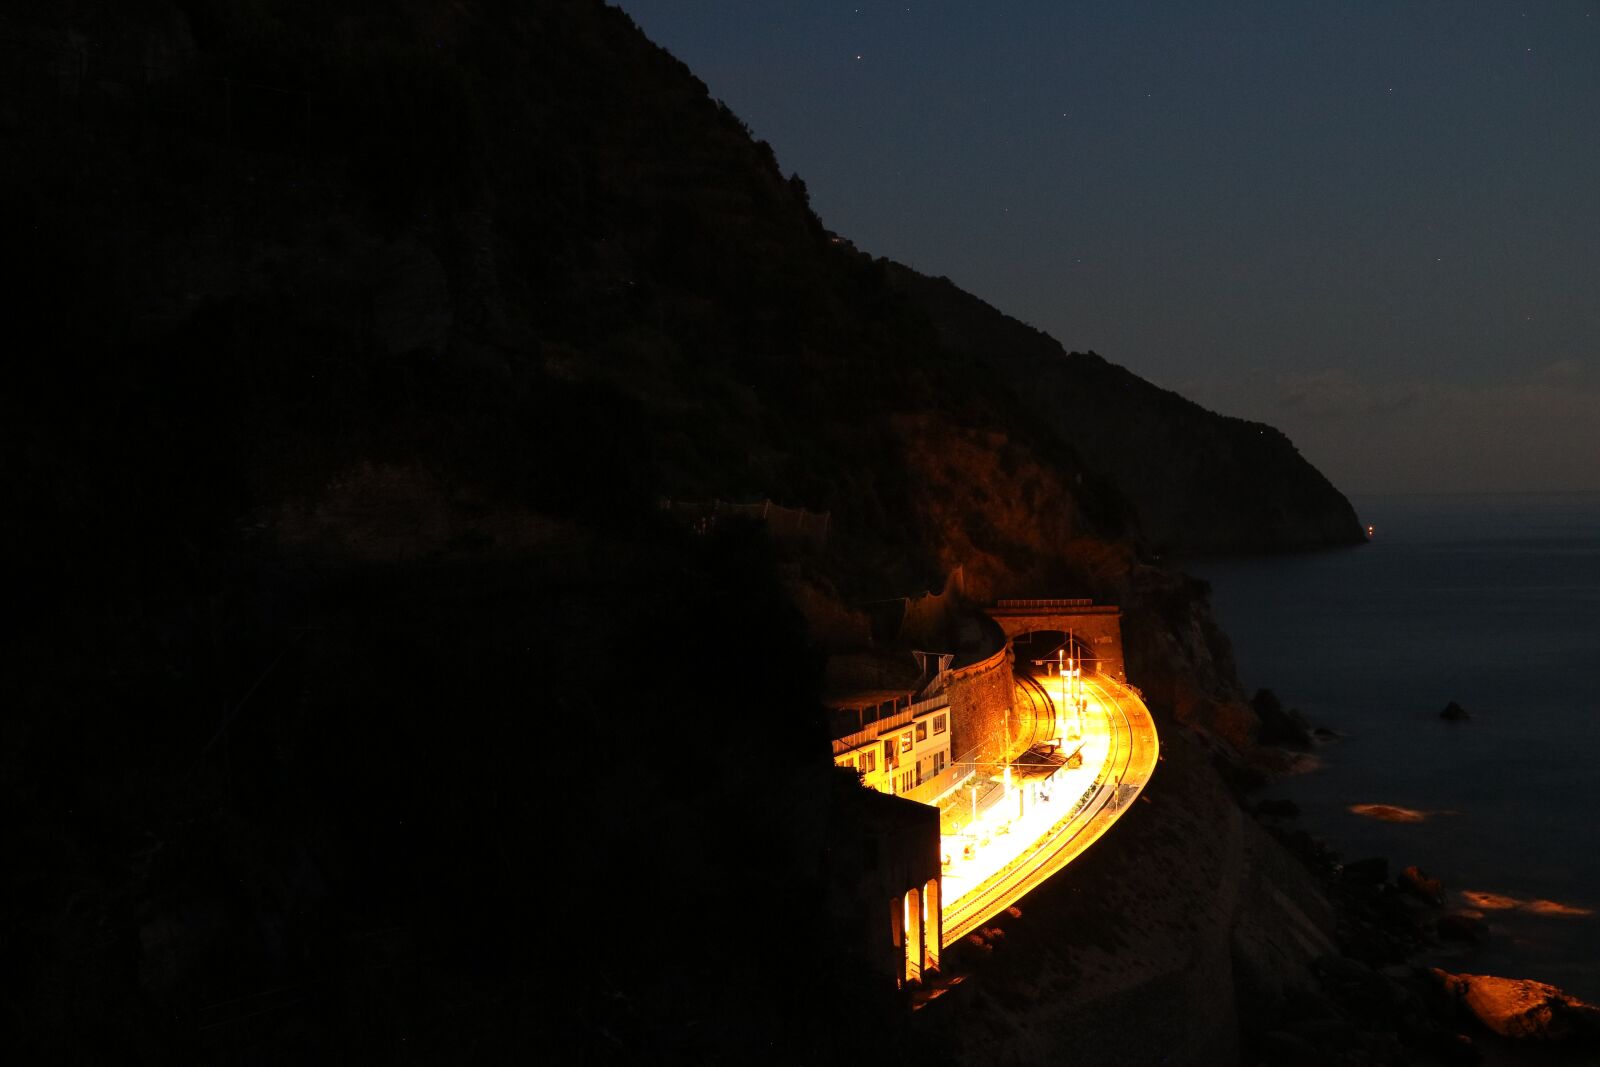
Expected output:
(1039, 652)
(1044, 667)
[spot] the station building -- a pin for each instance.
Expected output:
(940, 738)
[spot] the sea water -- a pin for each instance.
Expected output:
(1489, 601)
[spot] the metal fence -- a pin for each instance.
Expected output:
(1058, 604)
(790, 525)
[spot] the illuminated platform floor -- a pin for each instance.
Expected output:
(1019, 838)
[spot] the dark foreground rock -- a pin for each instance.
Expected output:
(1374, 869)
(1278, 808)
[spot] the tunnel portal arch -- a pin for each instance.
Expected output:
(1036, 650)
(1095, 629)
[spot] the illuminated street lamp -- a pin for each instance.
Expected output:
(1061, 669)
(1077, 691)
(1068, 668)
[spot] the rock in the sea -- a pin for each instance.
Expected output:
(1415, 880)
(1280, 725)
(1462, 926)
(1522, 1008)
(1454, 712)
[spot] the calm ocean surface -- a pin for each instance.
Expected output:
(1490, 601)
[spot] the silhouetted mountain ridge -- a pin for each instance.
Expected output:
(1200, 482)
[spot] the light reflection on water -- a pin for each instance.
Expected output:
(1490, 601)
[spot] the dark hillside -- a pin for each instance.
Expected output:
(367, 705)
(471, 246)
(1200, 482)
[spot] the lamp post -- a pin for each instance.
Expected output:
(1068, 668)
(1061, 668)
(1075, 666)
(973, 827)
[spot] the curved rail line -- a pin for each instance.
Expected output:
(1127, 767)
(1038, 697)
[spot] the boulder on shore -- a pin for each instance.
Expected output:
(1415, 880)
(1522, 1008)
(1454, 712)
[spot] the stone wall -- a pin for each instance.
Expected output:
(980, 701)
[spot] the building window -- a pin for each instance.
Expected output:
(919, 772)
(922, 731)
(869, 762)
(905, 782)
(939, 724)
(890, 760)
(938, 761)
(905, 741)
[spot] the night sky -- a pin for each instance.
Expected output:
(1373, 225)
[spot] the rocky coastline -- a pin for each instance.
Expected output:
(1381, 1002)
(1262, 945)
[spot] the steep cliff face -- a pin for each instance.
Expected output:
(1200, 482)
(1182, 660)
(1150, 947)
